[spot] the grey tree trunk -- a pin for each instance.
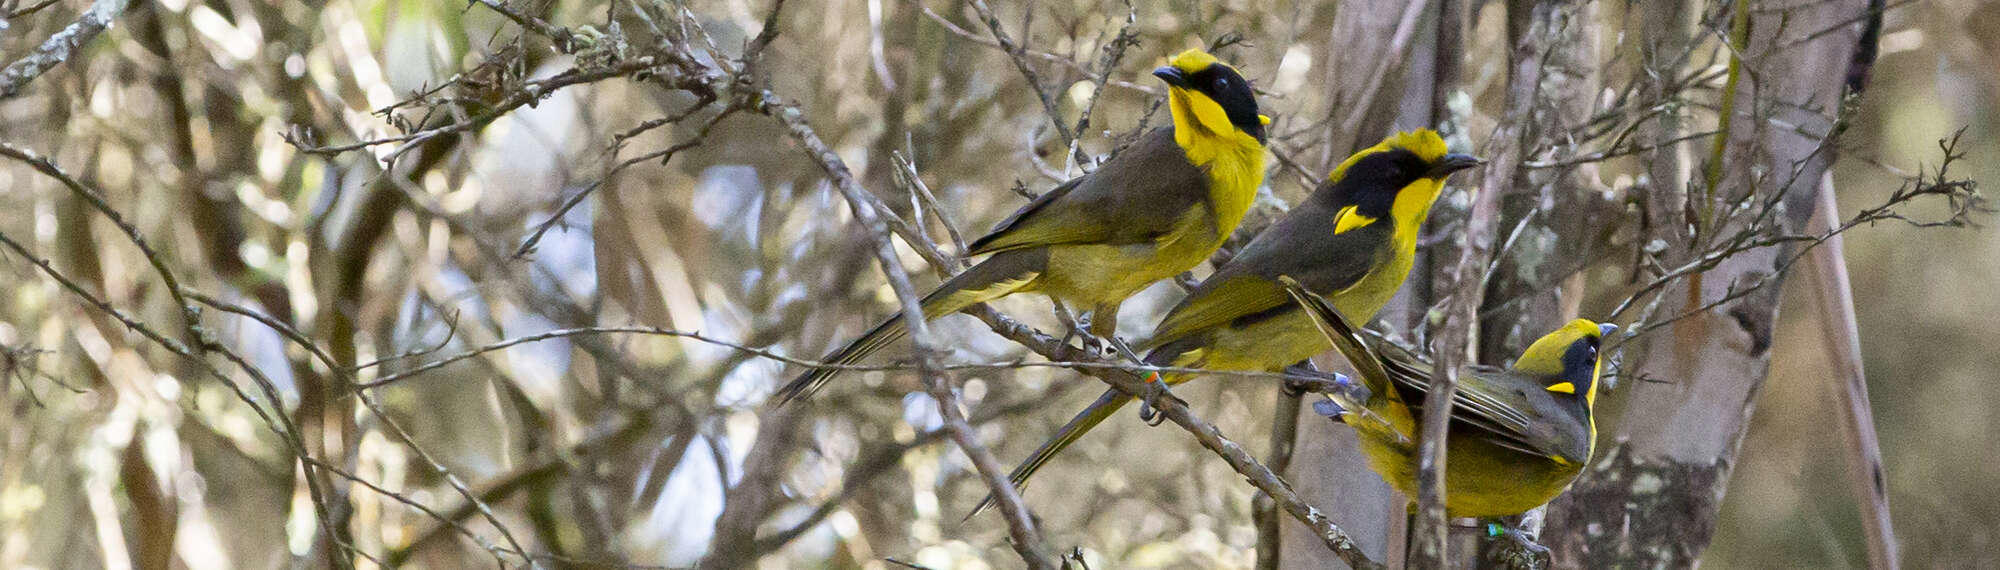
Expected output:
(1653, 497)
(1664, 463)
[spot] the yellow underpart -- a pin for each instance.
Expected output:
(1424, 142)
(1096, 274)
(1562, 388)
(1412, 206)
(1347, 218)
(1481, 479)
(1233, 159)
(1195, 115)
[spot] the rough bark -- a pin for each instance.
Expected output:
(1652, 501)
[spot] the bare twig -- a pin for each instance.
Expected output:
(1114, 51)
(190, 320)
(1174, 409)
(564, 40)
(1018, 53)
(881, 461)
(1961, 198)
(663, 155)
(906, 172)
(1284, 433)
(401, 435)
(60, 47)
(1064, 61)
(273, 418)
(530, 92)
(1027, 540)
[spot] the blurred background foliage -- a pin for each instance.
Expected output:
(194, 117)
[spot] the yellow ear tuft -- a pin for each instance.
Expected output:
(1264, 119)
(1193, 61)
(1562, 388)
(1348, 218)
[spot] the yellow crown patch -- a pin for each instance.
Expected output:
(1425, 143)
(1193, 60)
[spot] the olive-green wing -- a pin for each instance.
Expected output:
(1511, 409)
(1246, 290)
(1536, 418)
(1136, 197)
(1215, 303)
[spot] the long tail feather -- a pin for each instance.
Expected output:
(1105, 406)
(1343, 335)
(998, 276)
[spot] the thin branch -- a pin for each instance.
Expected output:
(1284, 434)
(274, 418)
(1308, 383)
(1027, 540)
(1072, 64)
(663, 155)
(880, 462)
(906, 173)
(37, 7)
(530, 92)
(1259, 476)
(1018, 54)
(60, 47)
(191, 321)
(564, 40)
(1114, 51)
(1961, 196)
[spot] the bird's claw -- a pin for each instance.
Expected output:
(1101, 347)
(1097, 346)
(1515, 548)
(1148, 410)
(1294, 384)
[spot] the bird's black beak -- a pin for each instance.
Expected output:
(1453, 162)
(1172, 75)
(1604, 330)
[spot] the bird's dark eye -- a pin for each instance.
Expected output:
(1221, 84)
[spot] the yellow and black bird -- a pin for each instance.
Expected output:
(1518, 436)
(1153, 211)
(1353, 240)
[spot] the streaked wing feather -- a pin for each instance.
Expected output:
(1338, 330)
(1136, 197)
(1474, 404)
